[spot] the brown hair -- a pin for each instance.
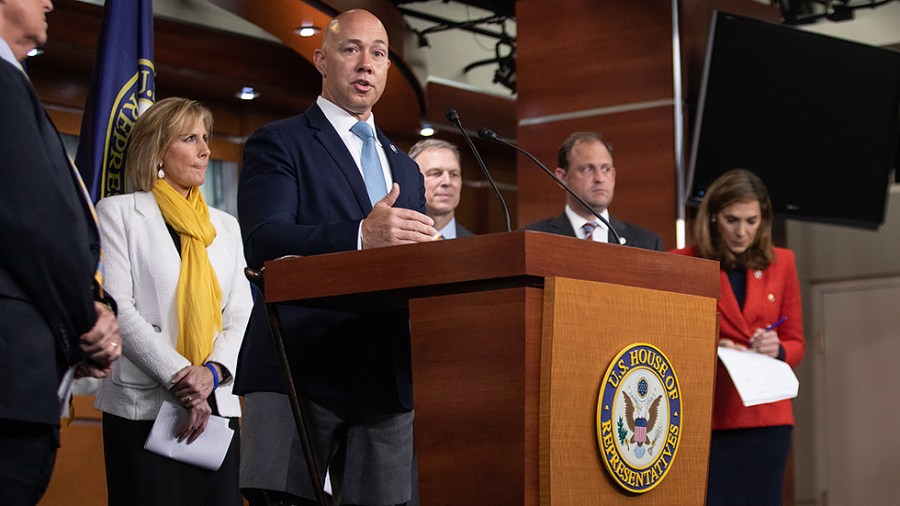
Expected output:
(736, 185)
(154, 132)
(565, 151)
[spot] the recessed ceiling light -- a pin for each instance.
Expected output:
(426, 131)
(35, 52)
(307, 30)
(247, 93)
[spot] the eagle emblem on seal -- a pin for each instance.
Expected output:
(643, 423)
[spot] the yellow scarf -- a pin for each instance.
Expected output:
(199, 295)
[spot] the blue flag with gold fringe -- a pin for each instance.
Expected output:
(122, 87)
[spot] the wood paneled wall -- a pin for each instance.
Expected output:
(605, 67)
(191, 61)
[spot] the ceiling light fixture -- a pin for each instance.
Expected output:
(307, 30)
(427, 130)
(35, 52)
(247, 93)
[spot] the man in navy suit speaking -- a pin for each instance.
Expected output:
(324, 181)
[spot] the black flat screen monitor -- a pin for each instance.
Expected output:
(817, 118)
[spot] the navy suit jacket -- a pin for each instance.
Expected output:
(49, 249)
(634, 235)
(301, 193)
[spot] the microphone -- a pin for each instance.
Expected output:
(488, 134)
(453, 117)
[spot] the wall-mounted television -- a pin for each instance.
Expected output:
(817, 118)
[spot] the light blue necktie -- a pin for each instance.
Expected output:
(371, 165)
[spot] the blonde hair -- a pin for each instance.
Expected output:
(736, 185)
(153, 134)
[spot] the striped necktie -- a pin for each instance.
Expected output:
(98, 274)
(376, 186)
(589, 229)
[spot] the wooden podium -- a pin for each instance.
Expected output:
(511, 335)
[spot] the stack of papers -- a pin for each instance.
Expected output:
(207, 451)
(759, 378)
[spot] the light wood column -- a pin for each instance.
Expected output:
(79, 476)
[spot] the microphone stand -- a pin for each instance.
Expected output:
(453, 117)
(486, 133)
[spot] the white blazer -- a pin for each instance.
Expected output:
(140, 270)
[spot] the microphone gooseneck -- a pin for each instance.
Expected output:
(453, 117)
(488, 134)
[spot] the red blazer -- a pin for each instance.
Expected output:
(771, 293)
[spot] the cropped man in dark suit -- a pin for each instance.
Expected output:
(439, 162)
(586, 165)
(51, 327)
(317, 183)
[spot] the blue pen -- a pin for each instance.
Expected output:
(776, 324)
(770, 327)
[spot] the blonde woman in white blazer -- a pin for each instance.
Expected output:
(176, 347)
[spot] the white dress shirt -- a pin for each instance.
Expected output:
(601, 234)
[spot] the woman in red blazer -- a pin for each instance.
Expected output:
(759, 286)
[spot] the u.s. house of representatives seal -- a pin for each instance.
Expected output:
(639, 417)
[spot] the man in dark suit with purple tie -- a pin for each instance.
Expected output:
(316, 183)
(51, 326)
(585, 163)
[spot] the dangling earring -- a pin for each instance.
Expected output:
(161, 173)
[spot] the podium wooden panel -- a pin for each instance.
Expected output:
(585, 325)
(510, 336)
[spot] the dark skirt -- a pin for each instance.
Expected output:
(137, 477)
(746, 466)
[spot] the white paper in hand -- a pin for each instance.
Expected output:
(759, 378)
(207, 451)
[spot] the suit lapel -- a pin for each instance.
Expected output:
(342, 158)
(621, 229)
(757, 297)
(54, 144)
(392, 155)
(161, 246)
(396, 162)
(562, 225)
(731, 310)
